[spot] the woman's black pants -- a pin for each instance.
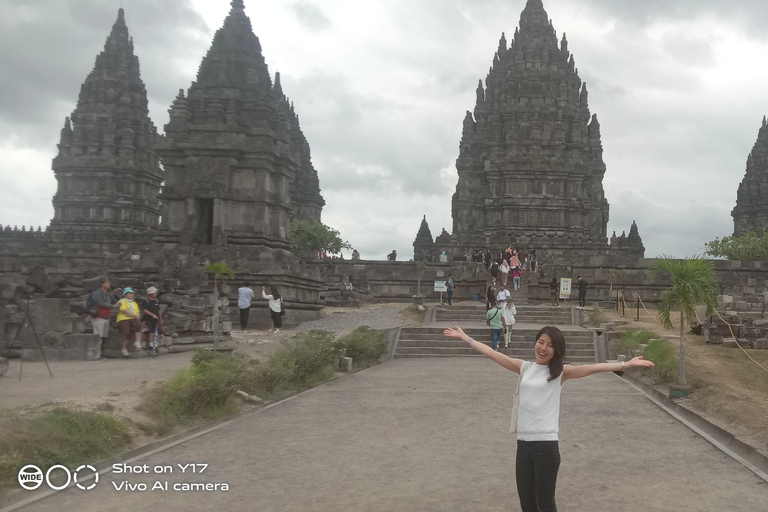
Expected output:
(277, 320)
(536, 472)
(244, 317)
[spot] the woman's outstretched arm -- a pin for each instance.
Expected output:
(577, 372)
(505, 361)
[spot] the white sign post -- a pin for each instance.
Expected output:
(441, 287)
(565, 288)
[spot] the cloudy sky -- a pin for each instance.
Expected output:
(382, 86)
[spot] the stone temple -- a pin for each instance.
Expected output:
(531, 159)
(223, 183)
(751, 211)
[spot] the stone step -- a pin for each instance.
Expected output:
(571, 360)
(484, 331)
(467, 350)
(527, 345)
(587, 338)
(525, 318)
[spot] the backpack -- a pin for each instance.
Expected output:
(90, 305)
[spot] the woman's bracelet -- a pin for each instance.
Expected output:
(469, 341)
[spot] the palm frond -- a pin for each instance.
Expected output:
(219, 269)
(692, 282)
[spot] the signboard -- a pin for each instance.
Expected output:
(440, 286)
(565, 287)
(440, 273)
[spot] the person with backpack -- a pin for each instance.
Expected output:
(99, 306)
(509, 311)
(153, 319)
(536, 410)
(276, 310)
(494, 318)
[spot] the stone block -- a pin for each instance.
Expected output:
(226, 327)
(728, 299)
(729, 343)
(3, 366)
(741, 306)
(760, 344)
(751, 282)
(345, 364)
(744, 343)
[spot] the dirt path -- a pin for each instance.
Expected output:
(430, 435)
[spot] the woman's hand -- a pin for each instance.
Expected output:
(639, 362)
(456, 332)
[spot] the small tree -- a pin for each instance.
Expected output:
(751, 246)
(308, 236)
(612, 273)
(693, 283)
(220, 271)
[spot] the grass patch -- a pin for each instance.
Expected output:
(630, 341)
(365, 346)
(665, 360)
(413, 315)
(58, 436)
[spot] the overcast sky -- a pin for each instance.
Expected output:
(381, 88)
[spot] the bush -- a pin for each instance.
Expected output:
(364, 345)
(59, 436)
(304, 360)
(666, 362)
(631, 340)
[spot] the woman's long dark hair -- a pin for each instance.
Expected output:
(558, 344)
(276, 296)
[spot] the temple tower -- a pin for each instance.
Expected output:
(107, 171)
(237, 165)
(423, 246)
(751, 211)
(531, 159)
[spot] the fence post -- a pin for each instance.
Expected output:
(637, 301)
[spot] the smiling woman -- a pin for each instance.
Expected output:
(538, 420)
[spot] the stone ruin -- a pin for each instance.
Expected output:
(236, 168)
(531, 158)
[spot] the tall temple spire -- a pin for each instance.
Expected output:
(751, 211)
(530, 164)
(238, 167)
(107, 171)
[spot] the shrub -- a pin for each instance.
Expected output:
(631, 340)
(364, 345)
(59, 436)
(305, 359)
(666, 362)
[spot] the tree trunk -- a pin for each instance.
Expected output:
(216, 322)
(681, 373)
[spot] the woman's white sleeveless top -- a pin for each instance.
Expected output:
(538, 418)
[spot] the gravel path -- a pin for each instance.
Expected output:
(376, 316)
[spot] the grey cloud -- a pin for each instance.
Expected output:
(310, 16)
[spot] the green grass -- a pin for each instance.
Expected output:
(365, 346)
(665, 360)
(59, 436)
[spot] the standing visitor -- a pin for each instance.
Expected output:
(488, 259)
(129, 321)
(152, 318)
(538, 418)
(582, 285)
(444, 257)
(275, 307)
(244, 297)
(509, 312)
(392, 256)
(508, 253)
(355, 255)
(514, 261)
(495, 270)
(554, 293)
(494, 318)
(504, 269)
(99, 305)
(450, 285)
(490, 297)
(503, 295)
(523, 257)
(517, 274)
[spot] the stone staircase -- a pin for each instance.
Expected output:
(428, 340)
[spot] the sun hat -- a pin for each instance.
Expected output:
(127, 291)
(151, 290)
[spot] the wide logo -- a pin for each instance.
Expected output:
(85, 477)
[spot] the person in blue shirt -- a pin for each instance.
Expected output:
(450, 285)
(244, 298)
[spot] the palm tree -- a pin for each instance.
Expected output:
(220, 271)
(693, 283)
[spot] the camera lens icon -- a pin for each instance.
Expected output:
(30, 477)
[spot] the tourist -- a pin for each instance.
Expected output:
(514, 260)
(517, 274)
(355, 255)
(495, 270)
(494, 318)
(488, 260)
(450, 285)
(99, 306)
(152, 319)
(554, 293)
(129, 321)
(533, 260)
(490, 297)
(392, 256)
(509, 312)
(444, 257)
(507, 255)
(276, 310)
(503, 295)
(244, 298)
(523, 257)
(504, 269)
(582, 285)
(538, 418)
